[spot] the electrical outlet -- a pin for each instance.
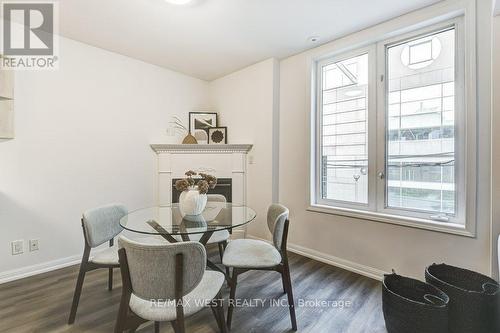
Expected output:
(34, 245)
(17, 247)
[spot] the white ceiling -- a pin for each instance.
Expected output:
(212, 38)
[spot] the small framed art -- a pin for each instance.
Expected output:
(201, 121)
(217, 135)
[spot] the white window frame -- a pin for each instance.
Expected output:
(371, 51)
(464, 223)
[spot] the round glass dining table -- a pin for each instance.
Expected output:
(160, 223)
(174, 226)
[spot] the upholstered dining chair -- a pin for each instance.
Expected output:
(166, 283)
(247, 254)
(219, 237)
(100, 225)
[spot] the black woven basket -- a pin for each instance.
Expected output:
(412, 306)
(473, 297)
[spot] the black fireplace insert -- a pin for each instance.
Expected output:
(224, 187)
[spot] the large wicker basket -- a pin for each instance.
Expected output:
(473, 297)
(412, 306)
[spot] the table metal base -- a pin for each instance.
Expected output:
(185, 238)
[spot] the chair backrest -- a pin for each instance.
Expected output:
(276, 216)
(103, 223)
(153, 267)
(216, 198)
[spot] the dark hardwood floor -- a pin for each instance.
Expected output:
(41, 303)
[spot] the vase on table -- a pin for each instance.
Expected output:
(192, 202)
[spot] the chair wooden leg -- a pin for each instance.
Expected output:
(181, 326)
(76, 296)
(157, 327)
(221, 251)
(224, 245)
(123, 311)
(79, 285)
(175, 326)
(220, 309)
(283, 282)
(110, 279)
(216, 316)
(232, 297)
(291, 305)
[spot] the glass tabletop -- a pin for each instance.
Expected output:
(161, 220)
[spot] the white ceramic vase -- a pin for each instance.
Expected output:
(191, 202)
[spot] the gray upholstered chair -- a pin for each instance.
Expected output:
(100, 225)
(247, 254)
(216, 198)
(219, 237)
(166, 283)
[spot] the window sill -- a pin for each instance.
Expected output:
(449, 228)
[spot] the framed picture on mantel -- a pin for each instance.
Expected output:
(199, 123)
(217, 135)
(202, 121)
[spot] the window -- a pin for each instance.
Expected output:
(420, 126)
(344, 130)
(390, 128)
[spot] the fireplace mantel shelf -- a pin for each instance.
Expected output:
(195, 148)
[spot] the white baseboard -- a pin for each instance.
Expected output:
(45, 267)
(370, 272)
(48, 266)
(367, 271)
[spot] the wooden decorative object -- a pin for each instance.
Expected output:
(190, 140)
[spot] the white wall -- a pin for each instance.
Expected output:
(82, 140)
(495, 148)
(374, 247)
(83, 135)
(246, 104)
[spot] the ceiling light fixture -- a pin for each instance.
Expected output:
(313, 39)
(178, 2)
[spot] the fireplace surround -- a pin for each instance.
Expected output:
(226, 162)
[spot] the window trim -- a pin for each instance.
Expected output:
(466, 42)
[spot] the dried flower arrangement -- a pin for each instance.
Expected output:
(177, 125)
(203, 182)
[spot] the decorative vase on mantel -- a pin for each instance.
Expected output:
(189, 140)
(192, 202)
(194, 188)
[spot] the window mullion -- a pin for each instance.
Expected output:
(380, 172)
(372, 129)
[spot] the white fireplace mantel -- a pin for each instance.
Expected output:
(223, 161)
(195, 148)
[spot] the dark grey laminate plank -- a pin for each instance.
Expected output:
(41, 303)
